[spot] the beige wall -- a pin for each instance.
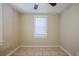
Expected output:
(70, 29)
(28, 29)
(0, 24)
(10, 24)
(1, 41)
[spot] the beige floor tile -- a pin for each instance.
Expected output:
(39, 51)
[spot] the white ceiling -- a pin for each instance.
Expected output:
(43, 7)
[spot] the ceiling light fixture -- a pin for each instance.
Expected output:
(35, 6)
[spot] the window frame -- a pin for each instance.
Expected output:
(40, 35)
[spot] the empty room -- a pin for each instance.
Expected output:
(39, 29)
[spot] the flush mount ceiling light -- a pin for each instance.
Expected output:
(35, 6)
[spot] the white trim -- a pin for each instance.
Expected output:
(39, 46)
(13, 51)
(66, 51)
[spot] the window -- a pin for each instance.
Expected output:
(40, 23)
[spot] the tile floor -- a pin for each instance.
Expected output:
(39, 51)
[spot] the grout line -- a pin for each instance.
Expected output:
(39, 46)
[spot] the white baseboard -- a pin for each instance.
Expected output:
(39, 46)
(66, 51)
(13, 51)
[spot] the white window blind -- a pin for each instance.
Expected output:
(40, 23)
